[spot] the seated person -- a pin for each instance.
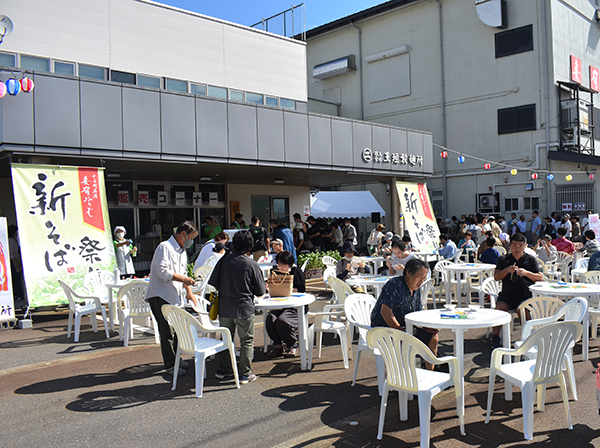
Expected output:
(349, 266)
(400, 256)
(447, 247)
(561, 243)
(400, 296)
(591, 245)
(408, 243)
(517, 271)
(544, 249)
(466, 243)
(490, 255)
(277, 246)
(207, 250)
(386, 248)
(594, 263)
(282, 325)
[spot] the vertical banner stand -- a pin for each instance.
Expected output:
(7, 304)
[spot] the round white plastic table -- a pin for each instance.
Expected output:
(376, 281)
(425, 256)
(457, 274)
(563, 291)
(297, 300)
(376, 261)
(480, 318)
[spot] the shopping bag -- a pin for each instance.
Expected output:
(280, 284)
(214, 305)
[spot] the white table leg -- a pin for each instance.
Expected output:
(586, 334)
(448, 288)
(459, 349)
(111, 309)
(506, 344)
(302, 331)
(265, 334)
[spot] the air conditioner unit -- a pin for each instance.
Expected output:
(487, 201)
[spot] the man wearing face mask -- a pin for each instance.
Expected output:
(167, 277)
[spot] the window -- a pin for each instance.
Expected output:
(35, 63)
(511, 204)
(91, 71)
(64, 68)
(270, 101)
(217, 92)
(254, 98)
(148, 81)
(532, 203)
(8, 59)
(198, 89)
(575, 197)
(236, 95)
(514, 41)
(124, 77)
(389, 78)
(287, 104)
(516, 119)
(175, 84)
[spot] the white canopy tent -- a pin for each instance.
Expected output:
(344, 204)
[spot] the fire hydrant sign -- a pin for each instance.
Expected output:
(7, 305)
(63, 219)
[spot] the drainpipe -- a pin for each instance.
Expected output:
(443, 111)
(395, 206)
(546, 102)
(360, 69)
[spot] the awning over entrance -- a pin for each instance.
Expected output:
(344, 204)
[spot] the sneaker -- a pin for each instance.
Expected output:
(291, 353)
(171, 371)
(496, 342)
(245, 379)
(275, 352)
(223, 374)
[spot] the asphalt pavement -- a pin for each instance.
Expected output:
(97, 393)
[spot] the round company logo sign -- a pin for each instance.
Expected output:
(367, 155)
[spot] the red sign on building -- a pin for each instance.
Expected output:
(576, 74)
(91, 204)
(594, 79)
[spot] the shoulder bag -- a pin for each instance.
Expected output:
(280, 284)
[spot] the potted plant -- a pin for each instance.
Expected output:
(315, 266)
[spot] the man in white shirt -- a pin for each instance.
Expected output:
(567, 225)
(536, 227)
(167, 278)
(585, 222)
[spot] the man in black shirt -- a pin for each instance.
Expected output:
(260, 237)
(238, 279)
(314, 234)
(517, 271)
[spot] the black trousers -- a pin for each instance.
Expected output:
(282, 326)
(168, 339)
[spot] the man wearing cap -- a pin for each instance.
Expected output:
(565, 223)
(277, 246)
(386, 249)
(124, 250)
(374, 240)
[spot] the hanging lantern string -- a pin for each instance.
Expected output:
(524, 168)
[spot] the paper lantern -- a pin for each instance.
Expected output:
(486, 166)
(550, 176)
(444, 154)
(569, 178)
(2, 89)
(26, 84)
(591, 176)
(12, 86)
(534, 176)
(514, 171)
(461, 159)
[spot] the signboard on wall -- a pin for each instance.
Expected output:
(7, 304)
(123, 198)
(567, 206)
(62, 214)
(234, 208)
(594, 79)
(576, 72)
(421, 224)
(143, 198)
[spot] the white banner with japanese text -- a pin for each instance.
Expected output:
(7, 304)
(63, 226)
(418, 215)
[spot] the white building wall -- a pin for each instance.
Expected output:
(477, 84)
(153, 39)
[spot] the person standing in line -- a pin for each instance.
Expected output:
(207, 250)
(337, 237)
(314, 234)
(124, 251)
(536, 227)
(565, 223)
(576, 235)
(350, 232)
(585, 222)
(238, 279)
(167, 277)
(261, 239)
(284, 233)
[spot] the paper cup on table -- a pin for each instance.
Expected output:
(450, 307)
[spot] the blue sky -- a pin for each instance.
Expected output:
(248, 13)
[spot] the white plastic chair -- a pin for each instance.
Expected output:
(426, 288)
(323, 323)
(441, 276)
(358, 308)
(132, 296)
(399, 350)
(552, 341)
(303, 267)
(501, 250)
(457, 255)
(329, 261)
(560, 271)
(91, 307)
(203, 272)
(475, 283)
(187, 328)
(582, 263)
(538, 308)
(95, 282)
(572, 311)
(340, 290)
(492, 288)
(330, 271)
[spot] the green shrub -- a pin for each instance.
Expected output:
(314, 259)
